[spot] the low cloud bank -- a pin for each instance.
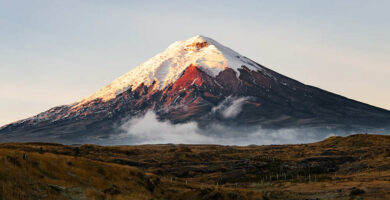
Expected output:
(149, 130)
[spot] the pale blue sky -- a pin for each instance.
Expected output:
(55, 52)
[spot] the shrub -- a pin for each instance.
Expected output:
(356, 191)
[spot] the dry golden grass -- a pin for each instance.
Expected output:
(51, 176)
(34, 175)
(336, 168)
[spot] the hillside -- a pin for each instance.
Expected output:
(353, 167)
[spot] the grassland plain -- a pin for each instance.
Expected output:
(353, 167)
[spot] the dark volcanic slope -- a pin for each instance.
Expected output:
(267, 98)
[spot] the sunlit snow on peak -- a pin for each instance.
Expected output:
(166, 67)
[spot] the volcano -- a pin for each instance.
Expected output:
(200, 80)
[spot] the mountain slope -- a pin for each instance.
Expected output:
(203, 81)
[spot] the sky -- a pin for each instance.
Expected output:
(55, 52)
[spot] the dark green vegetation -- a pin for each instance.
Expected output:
(354, 167)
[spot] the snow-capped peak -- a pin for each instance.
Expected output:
(166, 67)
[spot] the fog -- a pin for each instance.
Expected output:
(148, 129)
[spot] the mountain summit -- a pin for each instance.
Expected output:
(200, 80)
(167, 67)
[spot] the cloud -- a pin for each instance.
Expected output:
(148, 129)
(230, 107)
